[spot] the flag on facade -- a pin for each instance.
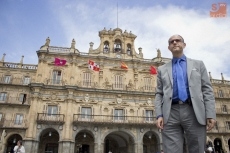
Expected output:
(59, 62)
(93, 66)
(153, 70)
(123, 65)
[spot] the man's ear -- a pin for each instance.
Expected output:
(184, 45)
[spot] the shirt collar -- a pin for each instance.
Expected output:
(183, 57)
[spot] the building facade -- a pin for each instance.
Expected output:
(60, 105)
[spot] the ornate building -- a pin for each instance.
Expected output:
(60, 105)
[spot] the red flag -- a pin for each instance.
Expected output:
(59, 62)
(123, 65)
(153, 70)
(93, 66)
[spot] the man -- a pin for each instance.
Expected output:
(184, 102)
(19, 148)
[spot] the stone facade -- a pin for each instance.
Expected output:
(60, 105)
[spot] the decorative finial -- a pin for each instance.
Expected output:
(140, 50)
(222, 76)
(91, 45)
(22, 59)
(47, 41)
(158, 53)
(210, 75)
(3, 57)
(73, 44)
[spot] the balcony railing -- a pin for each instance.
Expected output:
(13, 123)
(220, 130)
(148, 88)
(16, 100)
(11, 80)
(222, 111)
(18, 65)
(224, 95)
(215, 81)
(110, 119)
(87, 84)
(50, 118)
(119, 86)
(55, 82)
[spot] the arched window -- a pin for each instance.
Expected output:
(106, 47)
(129, 49)
(117, 46)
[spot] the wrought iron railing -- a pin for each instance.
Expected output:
(52, 118)
(113, 119)
(4, 123)
(56, 82)
(15, 100)
(220, 130)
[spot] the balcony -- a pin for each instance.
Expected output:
(55, 82)
(215, 81)
(220, 130)
(222, 111)
(110, 119)
(148, 88)
(119, 86)
(45, 118)
(13, 81)
(15, 124)
(19, 65)
(15, 100)
(87, 84)
(224, 95)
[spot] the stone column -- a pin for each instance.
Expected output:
(66, 147)
(138, 147)
(31, 146)
(98, 147)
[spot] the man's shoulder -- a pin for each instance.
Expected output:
(195, 60)
(165, 65)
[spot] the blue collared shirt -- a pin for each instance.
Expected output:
(183, 64)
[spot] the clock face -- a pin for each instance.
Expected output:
(118, 56)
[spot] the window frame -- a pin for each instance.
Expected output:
(56, 78)
(4, 96)
(26, 80)
(20, 120)
(118, 116)
(86, 112)
(7, 79)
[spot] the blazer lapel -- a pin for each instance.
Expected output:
(189, 67)
(169, 69)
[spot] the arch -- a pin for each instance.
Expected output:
(150, 142)
(49, 140)
(119, 141)
(117, 46)
(106, 47)
(11, 141)
(129, 49)
(218, 145)
(84, 141)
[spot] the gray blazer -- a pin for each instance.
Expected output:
(200, 89)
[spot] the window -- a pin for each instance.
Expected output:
(22, 98)
(1, 117)
(86, 112)
(224, 108)
(118, 114)
(56, 77)
(118, 82)
(221, 94)
(86, 79)
(228, 125)
(7, 79)
(19, 119)
(215, 126)
(26, 80)
(3, 96)
(149, 115)
(147, 84)
(52, 110)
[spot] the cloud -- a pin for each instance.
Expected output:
(207, 38)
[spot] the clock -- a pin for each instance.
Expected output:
(118, 56)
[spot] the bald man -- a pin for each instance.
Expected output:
(184, 102)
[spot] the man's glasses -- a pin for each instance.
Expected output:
(176, 40)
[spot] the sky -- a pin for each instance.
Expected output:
(25, 25)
